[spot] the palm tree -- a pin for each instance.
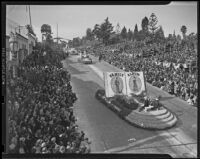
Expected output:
(184, 30)
(45, 30)
(30, 29)
(97, 31)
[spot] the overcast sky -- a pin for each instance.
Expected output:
(73, 20)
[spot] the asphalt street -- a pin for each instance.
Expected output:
(110, 134)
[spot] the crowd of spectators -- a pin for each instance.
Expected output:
(166, 66)
(40, 108)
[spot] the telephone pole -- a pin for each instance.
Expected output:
(30, 15)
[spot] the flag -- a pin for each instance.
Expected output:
(114, 83)
(135, 83)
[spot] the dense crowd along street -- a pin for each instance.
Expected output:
(166, 70)
(40, 106)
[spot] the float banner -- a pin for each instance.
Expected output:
(115, 83)
(135, 83)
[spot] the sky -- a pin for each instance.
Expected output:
(73, 20)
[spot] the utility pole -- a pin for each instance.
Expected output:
(29, 12)
(30, 15)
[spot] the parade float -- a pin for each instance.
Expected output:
(125, 94)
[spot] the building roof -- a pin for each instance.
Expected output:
(21, 36)
(31, 35)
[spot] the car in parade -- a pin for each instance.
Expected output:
(85, 59)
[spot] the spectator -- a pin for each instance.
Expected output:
(40, 114)
(163, 69)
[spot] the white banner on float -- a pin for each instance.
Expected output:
(135, 83)
(115, 83)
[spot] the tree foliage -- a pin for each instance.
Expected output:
(46, 29)
(130, 35)
(159, 35)
(124, 33)
(70, 43)
(76, 42)
(46, 36)
(135, 33)
(97, 31)
(106, 30)
(145, 24)
(149, 34)
(153, 23)
(30, 29)
(183, 30)
(141, 35)
(89, 34)
(114, 38)
(103, 31)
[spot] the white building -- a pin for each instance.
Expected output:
(25, 40)
(24, 45)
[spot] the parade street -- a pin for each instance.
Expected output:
(110, 134)
(114, 80)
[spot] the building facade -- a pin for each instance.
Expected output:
(31, 42)
(22, 47)
(8, 53)
(25, 43)
(25, 40)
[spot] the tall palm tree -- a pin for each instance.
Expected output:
(45, 30)
(183, 30)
